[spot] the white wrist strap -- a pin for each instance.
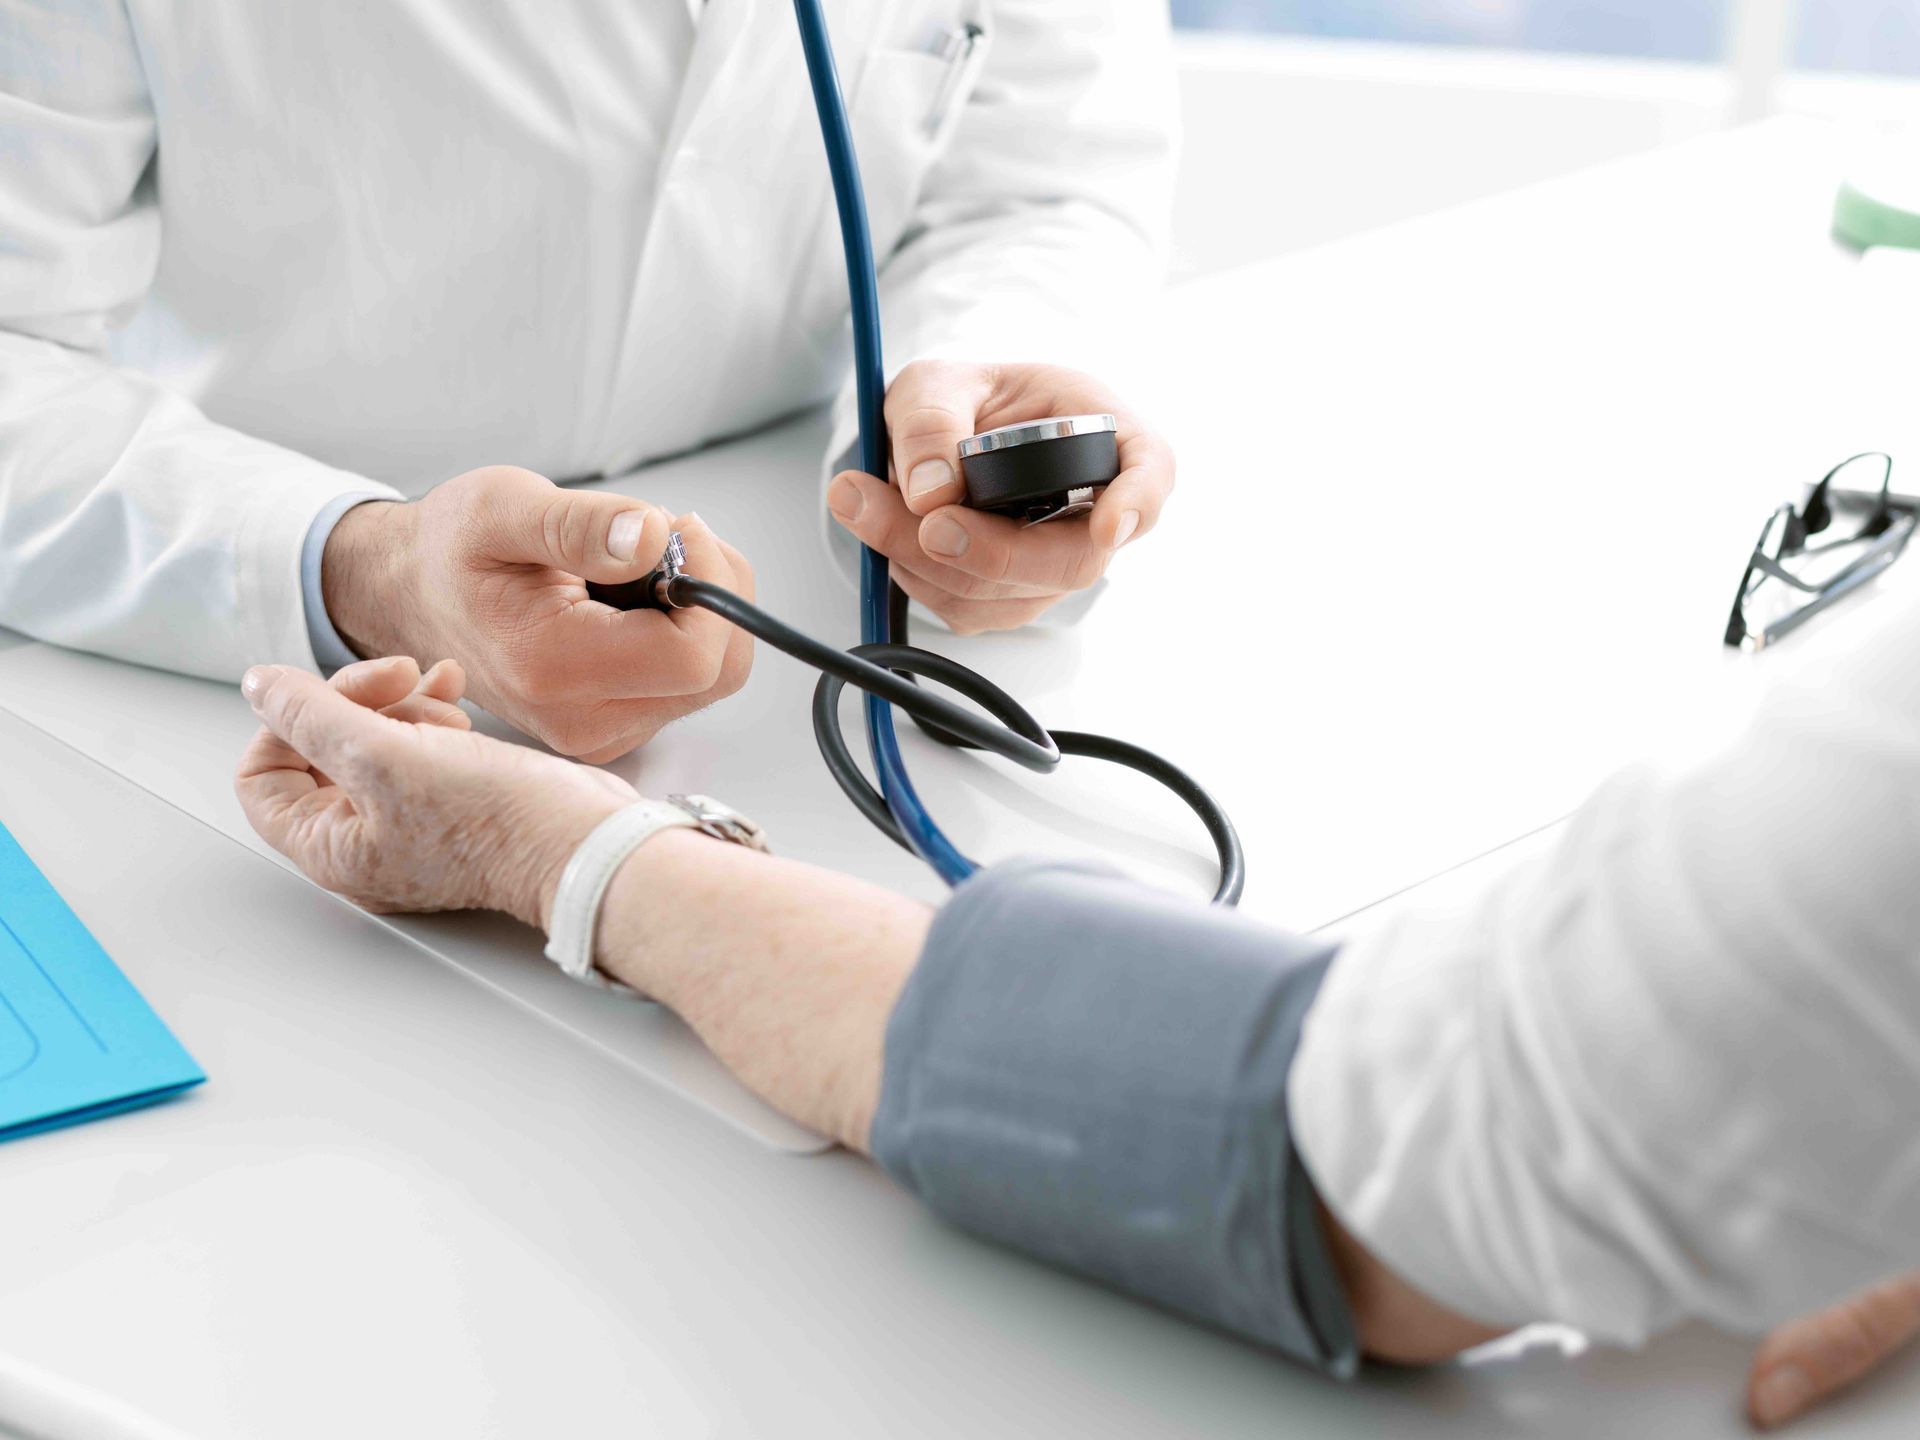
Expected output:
(583, 885)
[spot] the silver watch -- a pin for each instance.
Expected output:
(721, 821)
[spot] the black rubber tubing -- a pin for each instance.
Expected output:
(889, 670)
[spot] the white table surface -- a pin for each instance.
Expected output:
(1462, 507)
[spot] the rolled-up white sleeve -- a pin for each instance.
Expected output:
(1667, 1069)
(130, 524)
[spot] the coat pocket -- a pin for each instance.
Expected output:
(903, 114)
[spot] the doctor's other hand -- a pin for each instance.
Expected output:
(375, 787)
(974, 570)
(489, 568)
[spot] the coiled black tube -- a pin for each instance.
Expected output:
(1007, 729)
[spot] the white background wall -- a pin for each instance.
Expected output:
(1293, 142)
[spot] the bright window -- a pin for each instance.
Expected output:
(1670, 29)
(1859, 35)
(1871, 35)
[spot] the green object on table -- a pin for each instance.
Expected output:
(1864, 220)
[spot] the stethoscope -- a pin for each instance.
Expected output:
(1038, 470)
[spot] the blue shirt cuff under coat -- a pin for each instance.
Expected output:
(328, 648)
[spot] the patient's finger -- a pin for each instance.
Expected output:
(1810, 1359)
(445, 681)
(377, 683)
(320, 723)
(422, 709)
(432, 700)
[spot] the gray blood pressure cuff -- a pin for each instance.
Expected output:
(1095, 1073)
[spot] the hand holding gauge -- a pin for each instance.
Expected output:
(1027, 472)
(959, 538)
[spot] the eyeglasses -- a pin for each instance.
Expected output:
(1790, 578)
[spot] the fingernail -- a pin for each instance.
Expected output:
(623, 536)
(1782, 1395)
(1123, 532)
(928, 476)
(944, 535)
(254, 682)
(845, 499)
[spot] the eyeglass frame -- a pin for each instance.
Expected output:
(1890, 524)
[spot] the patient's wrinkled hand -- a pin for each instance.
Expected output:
(375, 786)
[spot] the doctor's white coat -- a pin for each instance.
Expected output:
(254, 256)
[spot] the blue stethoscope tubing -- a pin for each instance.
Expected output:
(925, 838)
(880, 663)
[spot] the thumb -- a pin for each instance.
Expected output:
(529, 520)
(931, 407)
(325, 728)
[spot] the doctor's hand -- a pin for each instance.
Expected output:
(489, 569)
(376, 788)
(986, 572)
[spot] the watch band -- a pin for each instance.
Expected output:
(583, 884)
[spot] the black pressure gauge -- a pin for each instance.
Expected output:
(1041, 469)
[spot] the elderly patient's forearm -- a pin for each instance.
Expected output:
(1395, 1322)
(787, 972)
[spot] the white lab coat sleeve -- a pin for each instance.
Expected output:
(130, 524)
(1042, 227)
(1667, 1070)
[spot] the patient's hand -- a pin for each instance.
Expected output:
(1810, 1359)
(1797, 1368)
(376, 788)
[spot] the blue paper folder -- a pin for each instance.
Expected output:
(76, 1039)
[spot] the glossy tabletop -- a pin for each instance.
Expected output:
(1462, 504)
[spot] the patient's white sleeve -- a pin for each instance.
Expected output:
(1670, 1068)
